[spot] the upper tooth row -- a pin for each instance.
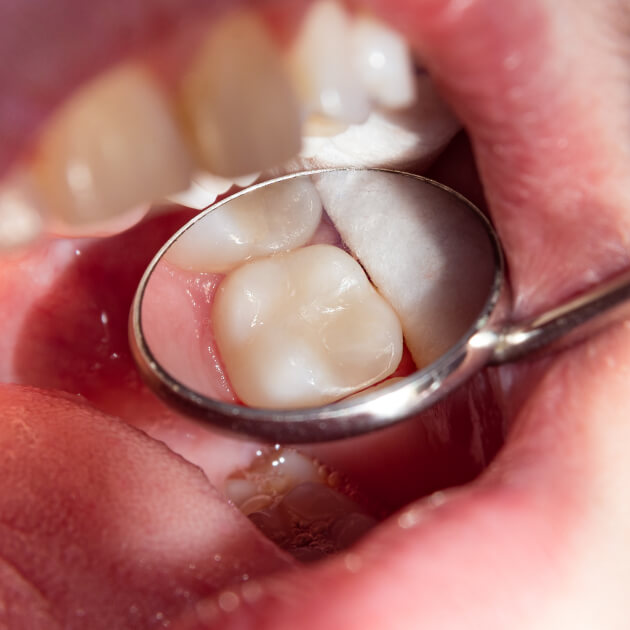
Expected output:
(120, 141)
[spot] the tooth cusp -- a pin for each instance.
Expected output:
(303, 329)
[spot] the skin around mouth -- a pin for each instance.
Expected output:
(102, 526)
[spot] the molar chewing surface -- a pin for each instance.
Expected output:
(299, 504)
(304, 328)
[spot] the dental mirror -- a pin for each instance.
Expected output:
(330, 303)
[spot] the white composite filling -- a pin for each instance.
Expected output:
(304, 328)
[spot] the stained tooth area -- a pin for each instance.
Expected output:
(238, 102)
(111, 147)
(299, 504)
(271, 220)
(321, 63)
(304, 328)
(383, 62)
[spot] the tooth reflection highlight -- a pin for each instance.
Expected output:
(237, 101)
(111, 147)
(304, 329)
(383, 62)
(259, 223)
(20, 218)
(321, 63)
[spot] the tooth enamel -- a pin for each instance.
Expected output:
(113, 146)
(20, 218)
(205, 188)
(418, 248)
(391, 139)
(383, 62)
(322, 126)
(238, 102)
(322, 68)
(304, 328)
(257, 224)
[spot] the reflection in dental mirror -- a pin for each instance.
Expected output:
(316, 287)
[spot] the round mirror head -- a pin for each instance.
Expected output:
(318, 305)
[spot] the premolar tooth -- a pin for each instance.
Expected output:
(322, 68)
(113, 146)
(238, 102)
(260, 223)
(383, 62)
(304, 328)
(20, 218)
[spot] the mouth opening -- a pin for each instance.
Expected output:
(313, 502)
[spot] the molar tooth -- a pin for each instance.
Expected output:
(383, 62)
(20, 217)
(321, 65)
(348, 529)
(111, 147)
(237, 101)
(256, 224)
(418, 245)
(304, 328)
(315, 501)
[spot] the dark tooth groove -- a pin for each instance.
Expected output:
(313, 521)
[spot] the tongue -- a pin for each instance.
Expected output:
(127, 534)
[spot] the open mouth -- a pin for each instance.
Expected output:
(117, 512)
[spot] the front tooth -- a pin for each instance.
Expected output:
(322, 68)
(383, 62)
(304, 328)
(259, 223)
(20, 217)
(237, 101)
(113, 146)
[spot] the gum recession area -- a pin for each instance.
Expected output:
(464, 555)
